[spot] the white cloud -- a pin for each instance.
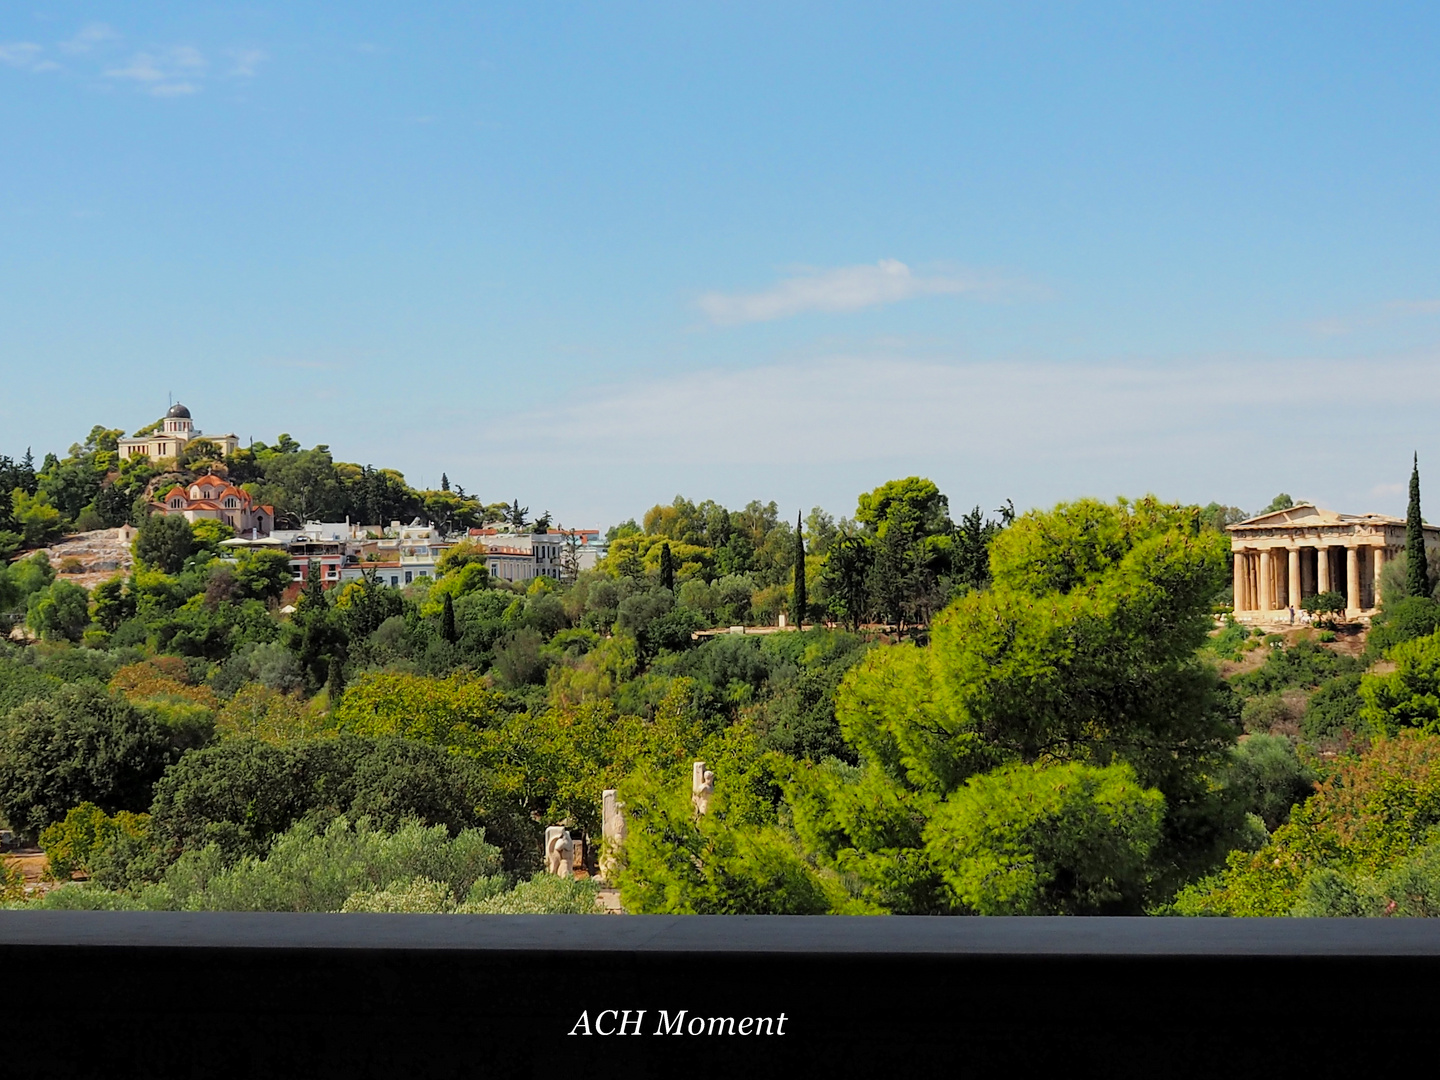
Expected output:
(845, 288)
(246, 62)
(142, 68)
(1385, 313)
(872, 408)
(26, 56)
(168, 72)
(91, 36)
(1414, 307)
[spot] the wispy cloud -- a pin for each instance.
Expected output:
(25, 55)
(245, 62)
(159, 70)
(844, 288)
(91, 36)
(1388, 312)
(164, 73)
(963, 410)
(1413, 307)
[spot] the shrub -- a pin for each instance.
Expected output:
(1269, 778)
(543, 894)
(1333, 709)
(83, 839)
(1404, 620)
(1370, 815)
(313, 869)
(1267, 712)
(241, 793)
(1303, 664)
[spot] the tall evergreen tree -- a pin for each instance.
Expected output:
(667, 567)
(447, 620)
(1417, 574)
(444, 482)
(801, 600)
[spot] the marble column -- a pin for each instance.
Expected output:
(1292, 590)
(1262, 601)
(1379, 556)
(1239, 581)
(1322, 569)
(1352, 580)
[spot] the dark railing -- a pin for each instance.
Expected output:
(111, 994)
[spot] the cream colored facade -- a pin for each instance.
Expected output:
(177, 430)
(1283, 557)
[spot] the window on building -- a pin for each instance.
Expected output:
(408, 578)
(394, 579)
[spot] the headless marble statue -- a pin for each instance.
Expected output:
(559, 851)
(702, 786)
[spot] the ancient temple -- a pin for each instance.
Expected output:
(1285, 556)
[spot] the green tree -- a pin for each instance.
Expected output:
(263, 575)
(317, 631)
(37, 520)
(1416, 570)
(679, 862)
(1376, 809)
(164, 541)
(1048, 840)
(667, 568)
(81, 842)
(59, 612)
(846, 573)
(1409, 696)
(1084, 649)
(447, 620)
(79, 745)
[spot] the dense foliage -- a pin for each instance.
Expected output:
(1032, 714)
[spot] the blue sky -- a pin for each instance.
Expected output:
(592, 256)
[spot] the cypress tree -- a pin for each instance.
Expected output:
(801, 600)
(667, 567)
(444, 482)
(1417, 574)
(447, 620)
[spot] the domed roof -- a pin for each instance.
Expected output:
(178, 412)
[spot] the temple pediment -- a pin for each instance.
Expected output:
(1308, 515)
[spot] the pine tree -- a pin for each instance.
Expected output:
(447, 620)
(667, 567)
(801, 600)
(444, 482)
(1417, 574)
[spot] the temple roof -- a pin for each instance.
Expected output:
(1308, 515)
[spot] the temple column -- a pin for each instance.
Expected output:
(1379, 554)
(1239, 581)
(1352, 580)
(1262, 601)
(1292, 590)
(1322, 569)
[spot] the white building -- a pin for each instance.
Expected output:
(176, 430)
(523, 556)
